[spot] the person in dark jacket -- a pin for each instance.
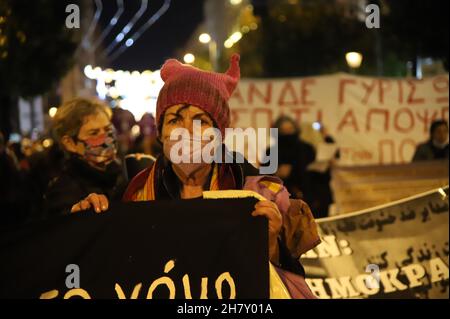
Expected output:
(437, 146)
(44, 166)
(13, 199)
(320, 188)
(84, 130)
(294, 156)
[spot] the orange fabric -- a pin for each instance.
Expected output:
(148, 191)
(299, 230)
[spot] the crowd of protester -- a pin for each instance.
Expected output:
(42, 178)
(32, 170)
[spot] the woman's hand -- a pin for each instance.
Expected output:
(97, 201)
(271, 212)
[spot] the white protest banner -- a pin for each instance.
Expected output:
(398, 250)
(374, 120)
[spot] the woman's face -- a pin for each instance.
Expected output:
(94, 126)
(183, 116)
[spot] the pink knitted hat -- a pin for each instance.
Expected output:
(210, 91)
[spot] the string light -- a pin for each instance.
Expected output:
(133, 91)
(233, 39)
(204, 38)
(128, 27)
(86, 42)
(142, 29)
(189, 58)
(52, 111)
(112, 23)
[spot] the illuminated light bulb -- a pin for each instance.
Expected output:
(52, 111)
(204, 38)
(135, 130)
(108, 75)
(129, 42)
(245, 29)
(89, 72)
(189, 58)
(228, 43)
(354, 59)
(47, 142)
(235, 37)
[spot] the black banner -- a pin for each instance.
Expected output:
(161, 249)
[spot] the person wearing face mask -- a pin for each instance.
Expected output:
(84, 131)
(191, 96)
(436, 148)
(192, 102)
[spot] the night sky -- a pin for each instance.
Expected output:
(161, 40)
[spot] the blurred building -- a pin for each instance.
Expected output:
(75, 83)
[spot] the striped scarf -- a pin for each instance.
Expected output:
(147, 192)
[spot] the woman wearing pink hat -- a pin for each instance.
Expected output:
(190, 94)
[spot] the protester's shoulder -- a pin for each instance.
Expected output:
(247, 167)
(423, 148)
(137, 183)
(423, 145)
(306, 145)
(62, 182)
(42, 160)
(142, 176)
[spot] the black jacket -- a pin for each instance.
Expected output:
(169, 186)
(427, 151)
(77, 180)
